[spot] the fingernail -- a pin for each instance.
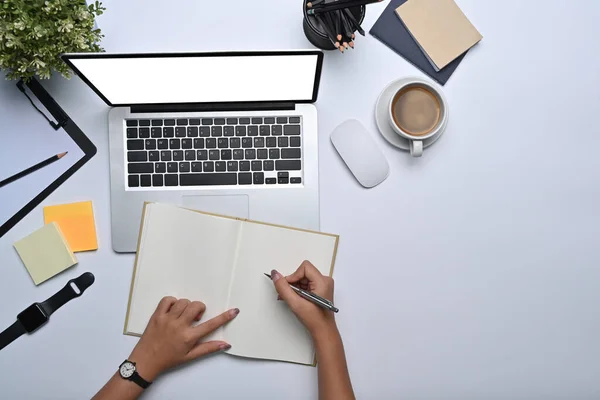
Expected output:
(275, 275)
(225, 347)
(234, 312)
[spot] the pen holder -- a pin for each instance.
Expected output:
(315, 32)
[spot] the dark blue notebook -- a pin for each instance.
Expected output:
(390, 30)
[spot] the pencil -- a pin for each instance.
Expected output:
(330, 24)
(347, 26)
(33, 169)
(322, 4)
(325, 27)
(340, 6)
(353, 21)
(337, 16)
(345, 41)
(314, 3)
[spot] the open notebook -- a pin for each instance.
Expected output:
(220, 261)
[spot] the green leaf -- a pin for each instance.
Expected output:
(33, 33)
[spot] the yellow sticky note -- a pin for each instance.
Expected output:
(76, 221)
(45, 253)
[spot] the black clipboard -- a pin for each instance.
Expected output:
(62, 121)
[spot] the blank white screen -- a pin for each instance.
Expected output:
(201, 79)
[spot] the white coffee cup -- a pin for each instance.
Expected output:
(416, 142)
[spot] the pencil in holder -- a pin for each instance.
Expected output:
(316, 26)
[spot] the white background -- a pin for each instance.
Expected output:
(472, 273)
(201, 79)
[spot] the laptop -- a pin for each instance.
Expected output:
(232, 133)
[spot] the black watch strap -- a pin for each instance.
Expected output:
(47, 307)
(138, 380)
(11, 333)
(68, 293)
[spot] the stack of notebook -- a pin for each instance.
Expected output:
(434, 35)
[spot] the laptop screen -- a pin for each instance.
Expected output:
(134, 79)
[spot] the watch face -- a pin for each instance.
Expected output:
(127, 369)
(32, 318)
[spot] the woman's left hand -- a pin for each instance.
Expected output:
(170, 339)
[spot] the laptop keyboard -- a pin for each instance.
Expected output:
(214, 151)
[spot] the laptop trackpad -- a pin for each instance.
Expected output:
(235, 205)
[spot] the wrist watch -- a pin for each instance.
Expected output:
(128, 371)
(38, 314)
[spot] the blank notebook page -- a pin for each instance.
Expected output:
(177, 259)
(265, 327)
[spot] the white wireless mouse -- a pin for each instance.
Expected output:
(360, 153)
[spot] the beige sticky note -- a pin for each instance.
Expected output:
(440, 28)
(45, 253)
(76, 221)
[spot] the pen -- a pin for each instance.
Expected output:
(313, 298)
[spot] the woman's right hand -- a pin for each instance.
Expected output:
(316, 319)
(334, 380)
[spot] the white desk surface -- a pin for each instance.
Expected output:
(472, 273)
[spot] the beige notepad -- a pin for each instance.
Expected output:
(221, 261)
(45, 253)
(440, 28)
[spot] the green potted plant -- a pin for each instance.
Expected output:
(33, 34)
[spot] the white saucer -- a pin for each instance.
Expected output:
(382, 116)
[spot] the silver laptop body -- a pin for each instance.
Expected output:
(228, 133)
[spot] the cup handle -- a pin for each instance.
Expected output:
(416, 148)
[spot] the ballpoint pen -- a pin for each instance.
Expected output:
(313, 298)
